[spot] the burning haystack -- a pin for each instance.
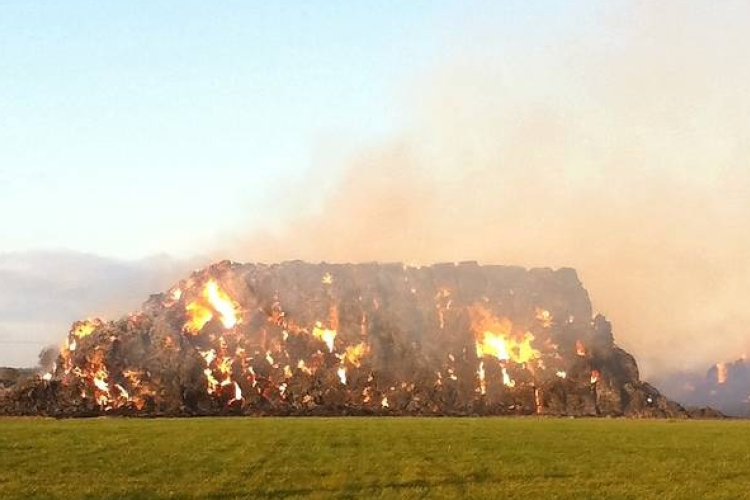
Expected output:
(305, 339)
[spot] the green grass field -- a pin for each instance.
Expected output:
(404, 458)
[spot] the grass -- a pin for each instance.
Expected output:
(378, 458)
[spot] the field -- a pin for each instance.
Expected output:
(385, 458)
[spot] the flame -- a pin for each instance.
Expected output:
(342, 374)
(303, 367)
(327, 279)
(213, 300)
(199, 316)
(495, 338)
(562, 374)
(354, 354)
(721, 373)
(505, 348)
(223, 304)
(209, 356)
(595, 374)
(507, 381)
(580, 348)
(237, 392)
(327, 336)
(85, 328)
(384, 402)
(213, 384)
(482, 379)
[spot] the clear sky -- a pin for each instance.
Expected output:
(132, 128)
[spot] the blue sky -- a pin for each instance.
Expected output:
(126, 128)
(133, 128)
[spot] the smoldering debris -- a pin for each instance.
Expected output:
(349, 339)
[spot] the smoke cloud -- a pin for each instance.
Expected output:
(43, 292)
(621, 149)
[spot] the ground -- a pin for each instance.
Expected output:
(382, 458)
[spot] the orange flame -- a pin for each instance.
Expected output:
(85, 328)
(506, 348)
(213, 301)
(354, 354)
(580, 348)
(495, 339)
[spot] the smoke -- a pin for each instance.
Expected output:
(43, 292)
(618, 147)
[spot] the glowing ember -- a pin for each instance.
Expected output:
(303, 367)
(721, 373)
(580, 348)
(562, 374)
(545, 317)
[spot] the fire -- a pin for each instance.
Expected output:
(301, 366)
(327, 336)
(721, 373)
(506, 348)
(85, 328)
(507, 381)
(327, 279)
(580, 348)
(223, 304)
(482, 379)
(342, 374)
(199, 316)
(237, 392)
(562, 374)
(213, 301)
(495, 339)
(595, 374)
(354, 354)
